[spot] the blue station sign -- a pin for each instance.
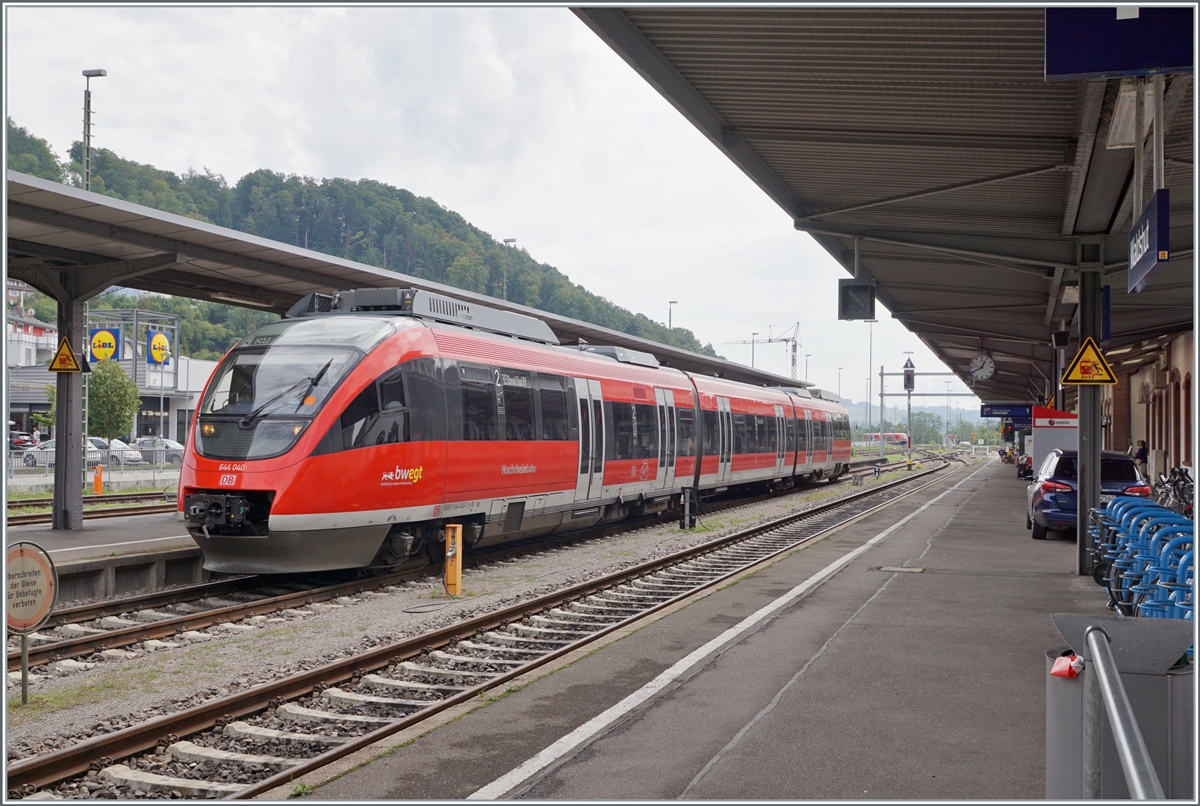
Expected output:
(1122, 41)
(1010, 410)
(1150, 240)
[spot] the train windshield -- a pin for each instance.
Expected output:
(265, 392)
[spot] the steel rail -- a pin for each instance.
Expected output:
(107, 498)
(67, 762)
(125, 636)
(90, 514)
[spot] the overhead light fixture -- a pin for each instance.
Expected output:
(1120, 130)
(1119, 351)
(1069, 295)
(236, 300)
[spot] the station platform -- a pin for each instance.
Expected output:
(866, 683)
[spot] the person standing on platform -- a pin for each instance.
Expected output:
(1141, 457)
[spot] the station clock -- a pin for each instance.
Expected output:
(982, 367)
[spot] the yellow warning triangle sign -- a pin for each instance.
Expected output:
(64, 359)
(1089, 367)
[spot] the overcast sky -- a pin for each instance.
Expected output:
(519, 119)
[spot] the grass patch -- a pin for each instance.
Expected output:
(95, 688)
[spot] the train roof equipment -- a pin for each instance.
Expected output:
(426, 305)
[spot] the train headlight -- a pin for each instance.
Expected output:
(208, 429)
(296, 429)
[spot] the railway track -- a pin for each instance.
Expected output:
(111, 625)
(252, 741)
(109, 498)
(90, 514)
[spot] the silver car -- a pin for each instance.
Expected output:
(117, 452)
(156, 449)
(43, 455)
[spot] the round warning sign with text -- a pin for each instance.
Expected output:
(32, 587)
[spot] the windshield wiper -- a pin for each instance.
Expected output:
(251, 419)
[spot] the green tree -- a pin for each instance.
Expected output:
(927, 428)
(112, 400)
(47, 420)
(32, 155)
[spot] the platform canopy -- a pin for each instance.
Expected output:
(974, 187)
(56, 233)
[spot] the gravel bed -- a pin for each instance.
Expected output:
(65, 709)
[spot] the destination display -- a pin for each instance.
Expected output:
(1014, 410)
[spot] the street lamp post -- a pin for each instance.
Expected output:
(806, 357)
(947, 413)
(87, 126)
(870, 360)
(504, 270)
(670, 310)
(752, 343)
(839, 381)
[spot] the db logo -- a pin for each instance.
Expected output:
(228, 479)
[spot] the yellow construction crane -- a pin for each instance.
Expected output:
(793, 339)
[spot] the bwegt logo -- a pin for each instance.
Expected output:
(409, 474)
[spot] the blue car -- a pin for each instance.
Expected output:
(1054, 492)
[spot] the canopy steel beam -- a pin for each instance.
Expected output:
(1174, 96)
(1090, 105)
(948, 250)
(66, 221)
(974, 183)
(906, 139)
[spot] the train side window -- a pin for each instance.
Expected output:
(645, 423)
(480, 410)
(662, 441)
(739, 433)
(772, 442)
(712, 433)
(790, 428)
(553, 397)
(619, 434)
(426, 400)
(518, 405)
(685, 440)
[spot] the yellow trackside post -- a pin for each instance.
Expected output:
(454, 555)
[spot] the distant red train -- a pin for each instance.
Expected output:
(888, 439)
(350, 432)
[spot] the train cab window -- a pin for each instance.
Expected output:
(712, 433)
(517, 387)
(552, 395)
(685, 435)
(480, 403)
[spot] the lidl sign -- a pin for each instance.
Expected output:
(158, 347)
(104, 343)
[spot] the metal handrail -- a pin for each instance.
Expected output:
(1140, 775)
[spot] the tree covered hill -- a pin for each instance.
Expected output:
(364, 220)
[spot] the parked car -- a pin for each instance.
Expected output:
(117, 453)
(155, 449)
(43, 455)
(19, 441)
(1051, 498)
(1025, 466)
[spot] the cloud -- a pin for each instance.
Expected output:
(520, 119)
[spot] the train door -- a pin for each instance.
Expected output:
(591, 440)
(780, 439)
(725, 418)
(666, 443)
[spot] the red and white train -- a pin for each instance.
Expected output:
(888, 439)
(350, 432)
